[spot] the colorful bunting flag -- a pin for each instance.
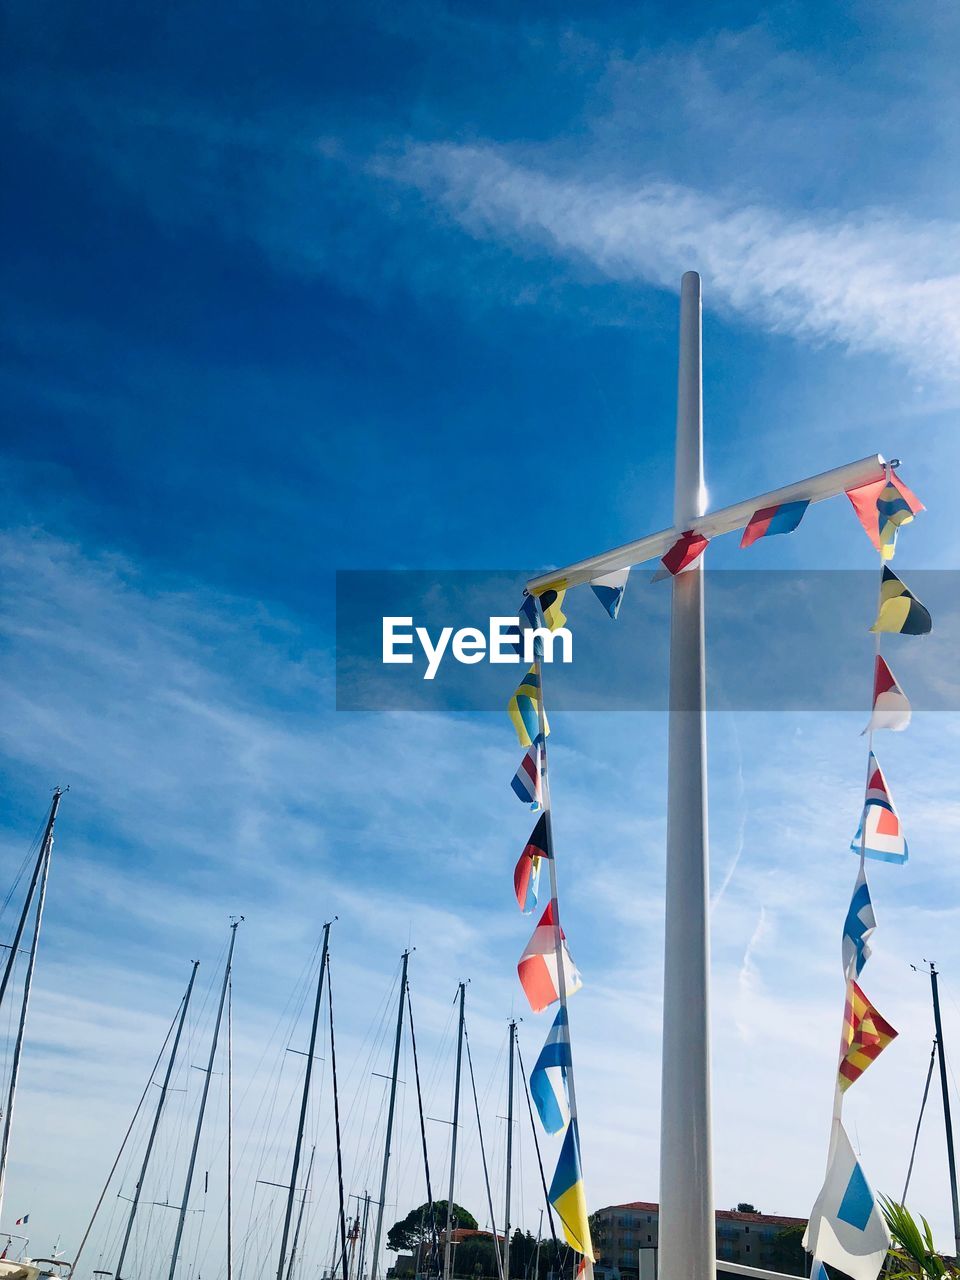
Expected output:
(526, 781)
(891, 710)
(550, 606)
(865, 1036)
(526, 876)
(609, 590)
(782, 518)
(567, 1194)
(523, 709)
(585, 1269)
(900, 611)
(528, 619)
(537, 968)
(684, 553)
(880, 832)
(548, 1079)
(882, 507)
(846, 1228)
(857, 928)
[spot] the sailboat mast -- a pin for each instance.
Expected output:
(951, 1157)
(506, 1211)
(126, 1137)
(46, 853)
(230, 1128)
(156, 1123)
(303, 1201)
(24, 914)
(184, 1203)
(448, 1240)
(336, 1125)
(305, 1098)
(361, 1263)
(378, 1233)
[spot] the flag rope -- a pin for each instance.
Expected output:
(552, 861)
(573, 1231)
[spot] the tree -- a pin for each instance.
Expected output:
(913, 1252)
(411, 1231)
(788, 1254)
(746, 1207)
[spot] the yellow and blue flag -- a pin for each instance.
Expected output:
(882, 506)
(523, 709)
(568, 1196)
(551, 603)
(900, 611)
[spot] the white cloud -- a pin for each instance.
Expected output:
(872, 281)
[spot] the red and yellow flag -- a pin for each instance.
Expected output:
(865, 1036)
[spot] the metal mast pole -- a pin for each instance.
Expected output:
(156, 1123)
(303, 1201)
(336, 1128)
(303, 1103)
(230, 1129)
(375, 1264)
(123, 1144)
(916, 1134)
(362, 1260)
(46, 854)
(182, 1217)
(951, 1158)
(448, 1245)
(687, 1224)
(506, 1211)
(21, 924)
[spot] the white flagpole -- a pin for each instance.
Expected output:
(687, 1225)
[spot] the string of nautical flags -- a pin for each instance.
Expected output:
(846, 1228)
(546, 970)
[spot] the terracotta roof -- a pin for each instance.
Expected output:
(727, 1215)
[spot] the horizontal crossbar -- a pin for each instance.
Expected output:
(826, 485)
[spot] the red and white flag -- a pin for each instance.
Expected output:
(880, 833)
(684, 554)
(891, 710)
(538, 965)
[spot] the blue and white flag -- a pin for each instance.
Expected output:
(548, 1079)
(846, 1228)
(857, 928)
(609, 590)
(526, 781)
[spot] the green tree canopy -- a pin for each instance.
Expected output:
(788, 1254)
(412, 1230)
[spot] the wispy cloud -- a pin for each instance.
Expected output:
(871, 281)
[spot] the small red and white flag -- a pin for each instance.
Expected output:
(880, 834)
(22, 1221)
(684, 554)
(538, 965)
(891, 710)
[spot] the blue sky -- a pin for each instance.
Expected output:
(290, 292)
